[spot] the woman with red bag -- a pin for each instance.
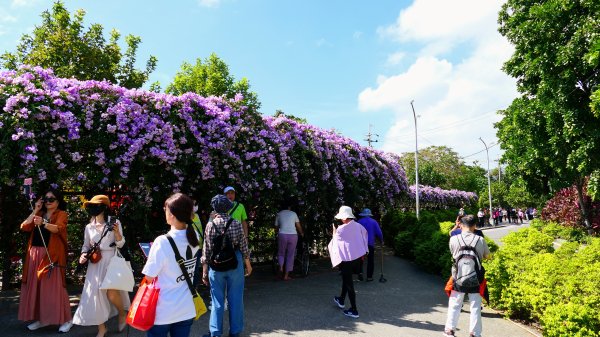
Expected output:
(175, 309)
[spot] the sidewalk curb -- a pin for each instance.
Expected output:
(500, 226)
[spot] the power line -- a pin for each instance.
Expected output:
(463, 121)
(472, 154)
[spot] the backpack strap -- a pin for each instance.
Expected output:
(227, 226)
(181, 264)
(234, 208)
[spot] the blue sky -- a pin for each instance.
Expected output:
(339, 64)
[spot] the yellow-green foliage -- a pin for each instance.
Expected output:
(560, 289)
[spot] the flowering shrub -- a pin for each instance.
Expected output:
(564, 209)
(90, 135)
(435, 197)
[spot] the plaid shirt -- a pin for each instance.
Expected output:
(235, 232)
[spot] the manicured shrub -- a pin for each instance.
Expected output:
(428, 252)
(560, 289)
(570, 319)
(403, 244)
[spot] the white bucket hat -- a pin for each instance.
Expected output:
(345, 213)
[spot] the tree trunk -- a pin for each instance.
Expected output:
(583, 207)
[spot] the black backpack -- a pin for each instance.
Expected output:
(468, 272)
(223, 257)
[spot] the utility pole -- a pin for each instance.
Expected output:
(499, 169)
(489, 181)
(416, 159)
(370, 135)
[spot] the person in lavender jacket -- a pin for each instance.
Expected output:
(373, 231)
(347, 247)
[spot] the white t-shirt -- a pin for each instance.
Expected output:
(286, 221)
(175, 302)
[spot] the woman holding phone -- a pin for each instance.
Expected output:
(98, 305)
(44, 299)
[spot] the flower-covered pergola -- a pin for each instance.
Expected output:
(90, 135)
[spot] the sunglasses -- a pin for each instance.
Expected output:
(51, 199)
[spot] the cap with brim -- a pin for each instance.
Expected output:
(228, 188)
(365, 212)
(98, 200)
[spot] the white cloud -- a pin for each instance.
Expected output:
(395, 58)
(357, 35)
(457, 100)
(23, 3)
(322, 42)
(209, 3)
(439, 20)
(5, 19)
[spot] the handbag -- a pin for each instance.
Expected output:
(95, 254)
(118, 274)
(199, 304)
(142, 312)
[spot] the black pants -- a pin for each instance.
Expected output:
(370, 262)
(481, 223)
(347, 268)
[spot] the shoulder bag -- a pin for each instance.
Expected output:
(118, 274)
(198, 301)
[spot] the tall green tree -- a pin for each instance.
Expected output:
(442, 167)
(61, 42)
(212, 77)
(550, 133)
(594, 59)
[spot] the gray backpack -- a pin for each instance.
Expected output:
(467, 270)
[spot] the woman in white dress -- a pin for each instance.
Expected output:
(98, 305)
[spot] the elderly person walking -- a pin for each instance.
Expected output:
(346, 249)
(231, 280)
(373, 231)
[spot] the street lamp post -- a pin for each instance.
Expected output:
(416, 160)
(489, 181)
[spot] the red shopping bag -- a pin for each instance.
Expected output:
(142, 311)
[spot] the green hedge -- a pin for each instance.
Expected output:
(425, 240)
(560, 288)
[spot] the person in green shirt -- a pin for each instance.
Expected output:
(238, 212)
(196, 223)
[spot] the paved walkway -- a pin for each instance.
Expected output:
(411, 303)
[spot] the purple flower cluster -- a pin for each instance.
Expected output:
(91, 134)
(435, 197)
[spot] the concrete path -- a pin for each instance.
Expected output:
(411, 303)
(497, 233)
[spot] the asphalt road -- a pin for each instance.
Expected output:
(503, 230)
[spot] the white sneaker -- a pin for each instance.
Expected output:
(35, 325)
(65, 327)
